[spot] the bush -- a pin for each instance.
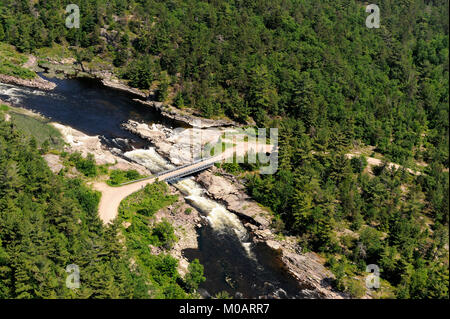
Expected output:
(195, 276)
(358, 164)
(355, 288)
(84, 165)
(164, 234)
(117, 176)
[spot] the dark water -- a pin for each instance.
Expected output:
(229, 268)
(88, 106)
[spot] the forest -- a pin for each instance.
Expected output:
(48, 222)
(330, 84)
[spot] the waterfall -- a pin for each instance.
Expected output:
(16, 94)
(221, 220)
(150, 159)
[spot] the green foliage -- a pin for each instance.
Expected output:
(147, 202)
(158, 270)
(222, 295)
(86, 165)
(11, 62)
(117, 177)
(44, 133)
(314, 62)
(358, 164)
(47, 223)
(315, 193)
(141, 73)
(195, 275)
(312, 69)
(164, 235)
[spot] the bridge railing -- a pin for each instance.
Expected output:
(189, 172)
(166, 171)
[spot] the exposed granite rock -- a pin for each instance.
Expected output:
(53, 162)
(110, 36)
(186, 116)
(234, 197)
(179, 146)
(37, 82)
(118, 85)
(307, 268)
(59, 69)
(185, 229)
(79, 142)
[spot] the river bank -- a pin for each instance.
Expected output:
(306, 268)
(69, 68)
(37, 83)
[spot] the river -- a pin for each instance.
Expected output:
(231, 260)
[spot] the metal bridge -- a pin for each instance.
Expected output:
(112, 196)
(175, 174)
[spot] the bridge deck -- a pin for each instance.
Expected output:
(112, 196)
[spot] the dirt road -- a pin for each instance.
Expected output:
(112, 196)
(377, 162)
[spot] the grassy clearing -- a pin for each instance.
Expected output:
(147, 201)
(118, 177)
(56, 52)
(39, 128)
(139, 208)
(11, 63)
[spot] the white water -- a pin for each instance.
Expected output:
(220, 219)
(150, 159)
(16, 93)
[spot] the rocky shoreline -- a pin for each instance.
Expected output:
(307, 268)
(186, 116)
(38, 82)
(185, 228)
(70, 68)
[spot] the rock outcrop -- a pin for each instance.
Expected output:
(79, 142)
(186, 116)
(180, 146)
(38, 82)
(233, 196)
(53, 162)
(184, 219)
(110, 82)
(307, 268)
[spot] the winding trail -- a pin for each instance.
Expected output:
(112, 196)
(371, 161)
(32, 60)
